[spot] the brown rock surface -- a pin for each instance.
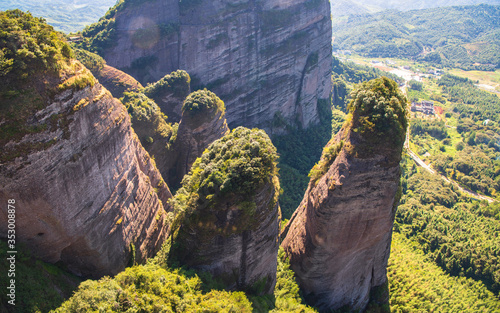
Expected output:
(92, 194)
(197, 130)
(228, 221)
(338, 240)
(269, 61)
(116, 81)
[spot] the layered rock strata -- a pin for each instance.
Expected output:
(269, 61)
(229, 214)
(87, 194)
(338, 240)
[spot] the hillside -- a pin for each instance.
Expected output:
(65, 16)
(356, 7)
(462, 36)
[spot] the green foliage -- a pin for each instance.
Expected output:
(40, 286)
(459, 36)
(433, 128)
(92, 61)
(299, 151)
(176, 82)
(286, 292)
(418, 285)
(415, 85)
(379, 112)
(330, 152)
(28, 47)
(147, 119)
(150, 288)
(236, 164)
(473, 168)
(101, 35)
(201, 102)
(34, 65)
(458, 235)
(469, 101)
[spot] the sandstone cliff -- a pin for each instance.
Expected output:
(169, 93)
(269, 61)
(87, 194)
(228, 213)
(198, 129)
(338, 240)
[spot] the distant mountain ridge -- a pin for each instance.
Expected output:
(459, 36)
(355, 7)
(65, 16)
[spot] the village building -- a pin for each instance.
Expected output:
(426, 107)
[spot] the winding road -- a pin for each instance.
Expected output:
(428, 168)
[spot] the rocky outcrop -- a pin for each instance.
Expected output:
(197, 130)
(338, 240)
(228, 220)
(269, 61)
(169, 93)
(116, 81)
(87, 194)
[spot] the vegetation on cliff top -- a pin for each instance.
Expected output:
(28, 46)
(35, 64)
(202, 101)
(176, 82)
(378, 113)
(148, 120)
(237, 164)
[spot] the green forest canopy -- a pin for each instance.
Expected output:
(464, 36)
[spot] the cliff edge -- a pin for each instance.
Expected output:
(269, 61)
(86, 193)
(338, 240)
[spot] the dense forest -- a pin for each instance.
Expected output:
(462, 36)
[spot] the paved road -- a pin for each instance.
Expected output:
(421, 163)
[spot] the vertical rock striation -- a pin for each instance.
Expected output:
(338, 240)
(203, 122)
(228, 220)
(87, 194)
(269, 61)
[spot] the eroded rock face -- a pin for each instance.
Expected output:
(269, 61)
(116, 81)
(338, 240)
(228, 220)
(197, 130)
(93, 195)
(236, 243)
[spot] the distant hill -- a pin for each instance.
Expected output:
(463, 36)
(350, 7)
(66, 16)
